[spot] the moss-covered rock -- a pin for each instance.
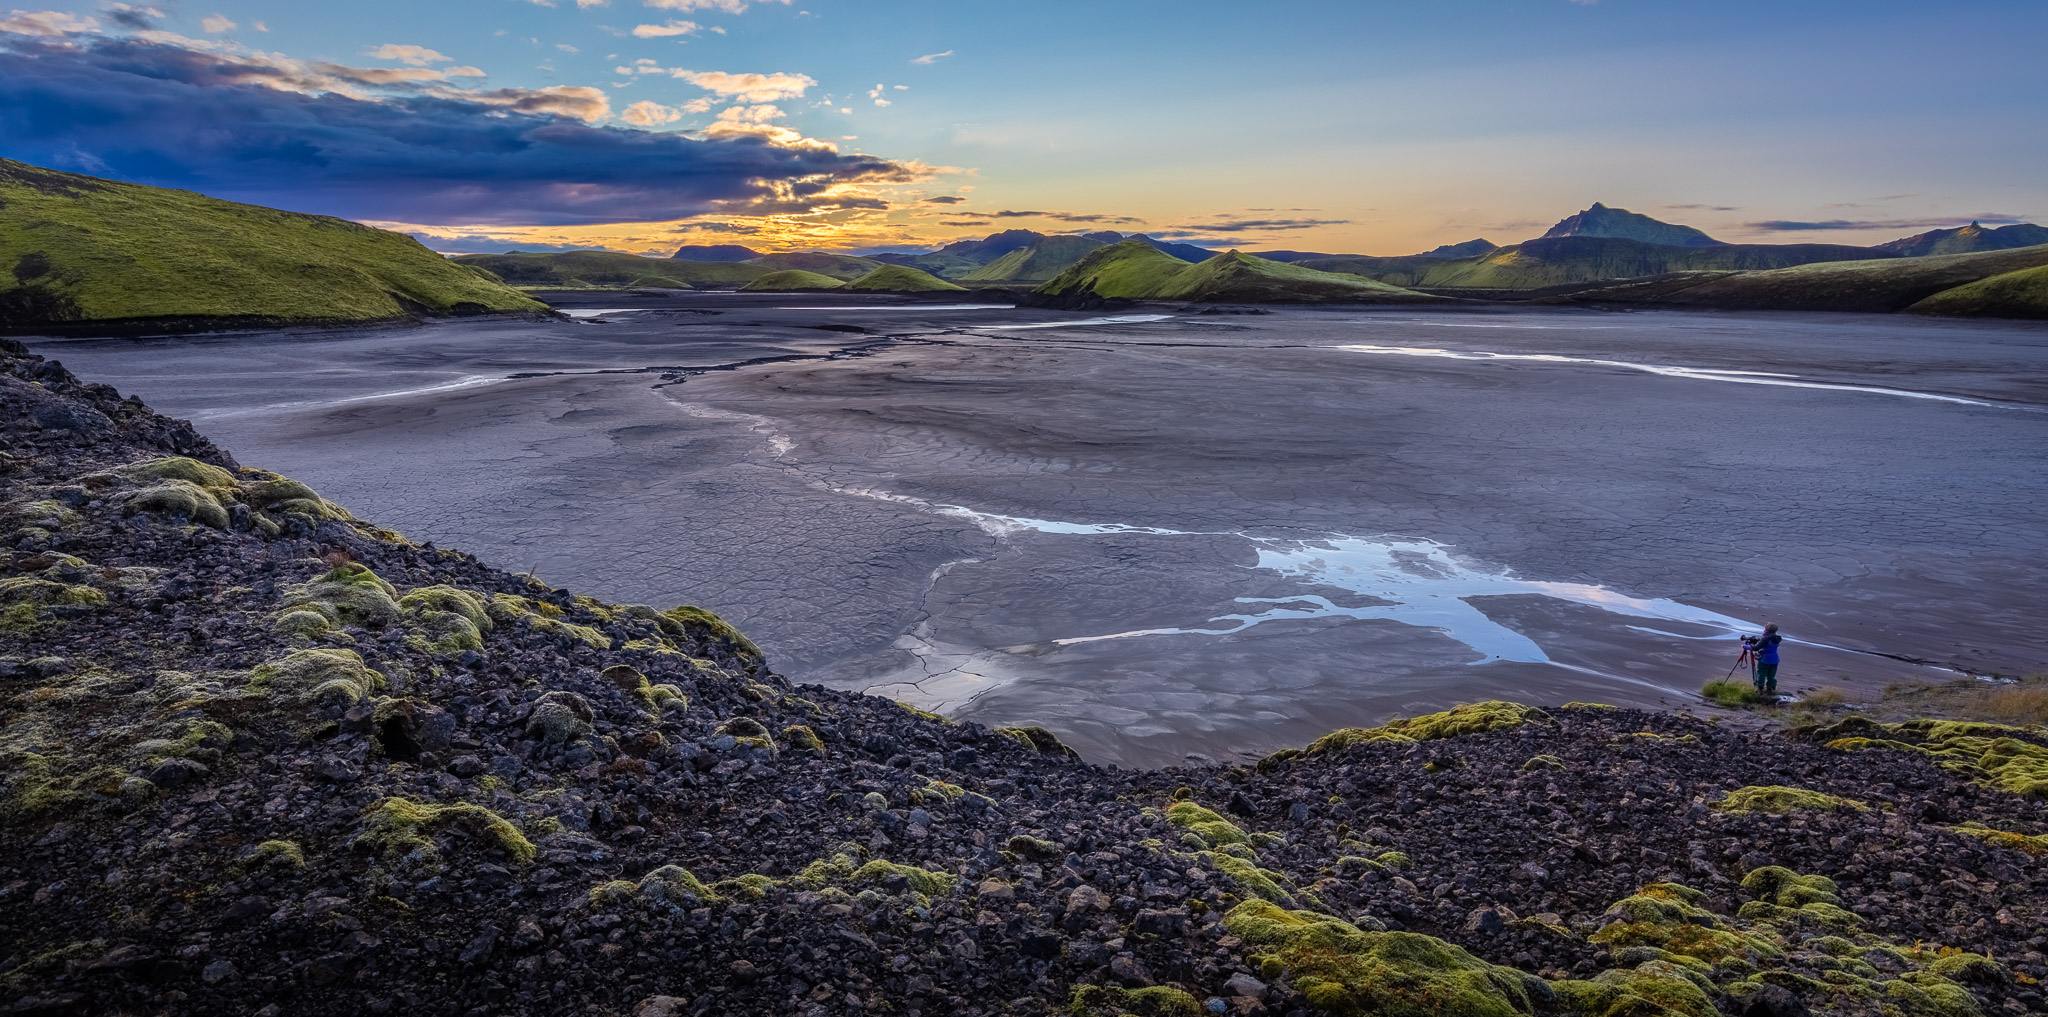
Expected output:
(1151, 1001)
(1781, 800)
(509, 609)
(1346, 971)
(1039, 740)
(1469, 718)
(1996, 755)
(559, 718)
(326, 676)
(349, 594)
(400, 831)
(444, 619)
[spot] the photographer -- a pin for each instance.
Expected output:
(1763, 651)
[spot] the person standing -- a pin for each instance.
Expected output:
(1764, 656)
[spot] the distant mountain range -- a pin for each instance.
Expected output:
(715, 253)
(1622, 224)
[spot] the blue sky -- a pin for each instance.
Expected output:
(1359, 127)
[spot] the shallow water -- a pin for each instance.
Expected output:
(1161, 534)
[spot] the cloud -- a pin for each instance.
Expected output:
(932, 58)
(581, 4)
(945, 199)
(646, 113)
(664, 30)
(364, 144)
(1250, 225)
(415, 56)
(728, 6)
(1795, 226)
(1036, 214)
(217, 24)
(751, 88)
(139, 17)
(1703, 208)
(46, 23)
(484, 243)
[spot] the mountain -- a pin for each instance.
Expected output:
(1468, 249)
(79, 253)
(1622, 224)
(792, 280)
(715, 253)
(838, 266)
(901, 279)
(1968, 239)
(1561, 261)
(1989, 283)
(1035, 263)
(1185, 252)
(604, 270)
(1296, 256)
(1135, 270)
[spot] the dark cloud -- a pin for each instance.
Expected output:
(477, 243)
(1248, 225)
(741, 228)
(163, 114)
(1035, 214)
(1796, 226)
(132, 16)
(945, 199)
(1706, 208)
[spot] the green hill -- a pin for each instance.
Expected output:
(792, 280)
(1968, 239)
(1622, 224)
(1562, 261)
(1134, 270)
(839, 266)
(2021, 294)
(86, 252)
(1992, 283)
(901, 279)
(1036, 263)
(604, 270)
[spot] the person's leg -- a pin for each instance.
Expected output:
(1767, 678)
(1756, 674)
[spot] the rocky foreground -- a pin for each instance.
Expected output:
(258, 757)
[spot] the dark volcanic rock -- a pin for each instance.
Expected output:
(257, 757)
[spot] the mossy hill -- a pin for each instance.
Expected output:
(1133, 270)
(2006, 284)
(1968, 240)
(1622, 224)
(81, 254)
(1563, 261)
(901, 279)
(714, 253)
(604, 270)
(1036, 262)
(258, 756)
(792, 280)
(839, 266)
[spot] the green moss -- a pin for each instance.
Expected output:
(398, 831)
(328, 676)
(802, 738)
(1543, 762)
(559, 718)
(1343, 970)
(752, 886)
(181, 469)
(1995, 755)
(922, 714)
(694, 624)
(1470, 718)
(1212, 828)
(444, 619)
(178, 499)
(1731, 694)
(26, 604)
(845, 867)
(1652, 989)
(302, 623)
(276, 853)
(1032, 848)
(1151, 1001)
(272, 493)
(1780, 800)
(508, 608)
(350, 594)
(1039, 740)
(2034, 845)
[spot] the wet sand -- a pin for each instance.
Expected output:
(1210, 534)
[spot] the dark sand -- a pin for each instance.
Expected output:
(929, 510)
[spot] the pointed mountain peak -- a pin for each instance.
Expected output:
(1620, 223)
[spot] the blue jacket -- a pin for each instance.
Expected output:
(1767, 648)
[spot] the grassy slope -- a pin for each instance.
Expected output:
(1561, 261)
(1873, 286)
(1037, 263)
(2021, 294)
(1133, 270)
(1969, 239)
(102, 251)
(603, 270)
(838, 266)
(791, 280)
(901, 279)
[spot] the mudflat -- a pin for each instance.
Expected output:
(1175, 532)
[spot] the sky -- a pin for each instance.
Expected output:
(1345, 127)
